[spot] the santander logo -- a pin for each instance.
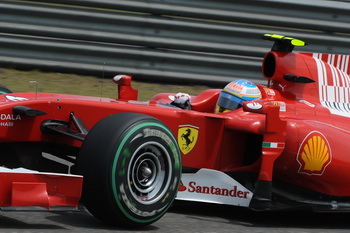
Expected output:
(182, 187)
(212, 190)
(213, 186)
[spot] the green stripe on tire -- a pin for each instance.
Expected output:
(177, 165)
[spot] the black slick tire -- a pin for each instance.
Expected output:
(132, 168)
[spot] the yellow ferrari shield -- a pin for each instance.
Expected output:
(187, 137)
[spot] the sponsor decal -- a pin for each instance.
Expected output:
(6, 120)
(10, 117)
(187, 137)
(281, 104)
(274, 145)
(255, 106)
(213, 186)
(282, 87)
(15, 98)
(182, 187)
(269, 92)
(6, 124)
(235, 88)
(213, 190)
(314, 154)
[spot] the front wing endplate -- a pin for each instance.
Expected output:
(213, 186)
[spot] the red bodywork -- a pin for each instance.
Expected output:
(296, 134)
(45, 190)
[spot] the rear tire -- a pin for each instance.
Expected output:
(131, 166)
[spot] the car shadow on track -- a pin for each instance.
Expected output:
(11, 223)
(59, 221)
(82, 220)
(181, 217)
(273, 219)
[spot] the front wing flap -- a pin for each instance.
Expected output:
(27, 189)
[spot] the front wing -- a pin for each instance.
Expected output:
(23, 189)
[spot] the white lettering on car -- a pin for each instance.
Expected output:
(6, 124)
(11, 117)
(7, 120)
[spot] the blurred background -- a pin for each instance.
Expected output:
(179, 41)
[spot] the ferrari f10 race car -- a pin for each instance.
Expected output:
(128, 160)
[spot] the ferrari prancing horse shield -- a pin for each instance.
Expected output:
(187, 137)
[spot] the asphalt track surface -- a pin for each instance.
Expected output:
(183, 217)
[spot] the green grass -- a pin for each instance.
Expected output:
(19, 81)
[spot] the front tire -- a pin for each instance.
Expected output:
(4, 90)
(131, 166)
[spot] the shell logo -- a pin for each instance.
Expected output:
(314, 154)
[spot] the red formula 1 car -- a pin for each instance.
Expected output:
(286, 149)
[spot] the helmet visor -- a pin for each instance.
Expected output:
(229, 101)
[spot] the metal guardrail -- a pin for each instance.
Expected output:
(191, 41)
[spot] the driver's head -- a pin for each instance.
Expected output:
(235, 93)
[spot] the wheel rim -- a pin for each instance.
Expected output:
(148, 173)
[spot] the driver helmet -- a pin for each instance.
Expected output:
(235, 93)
